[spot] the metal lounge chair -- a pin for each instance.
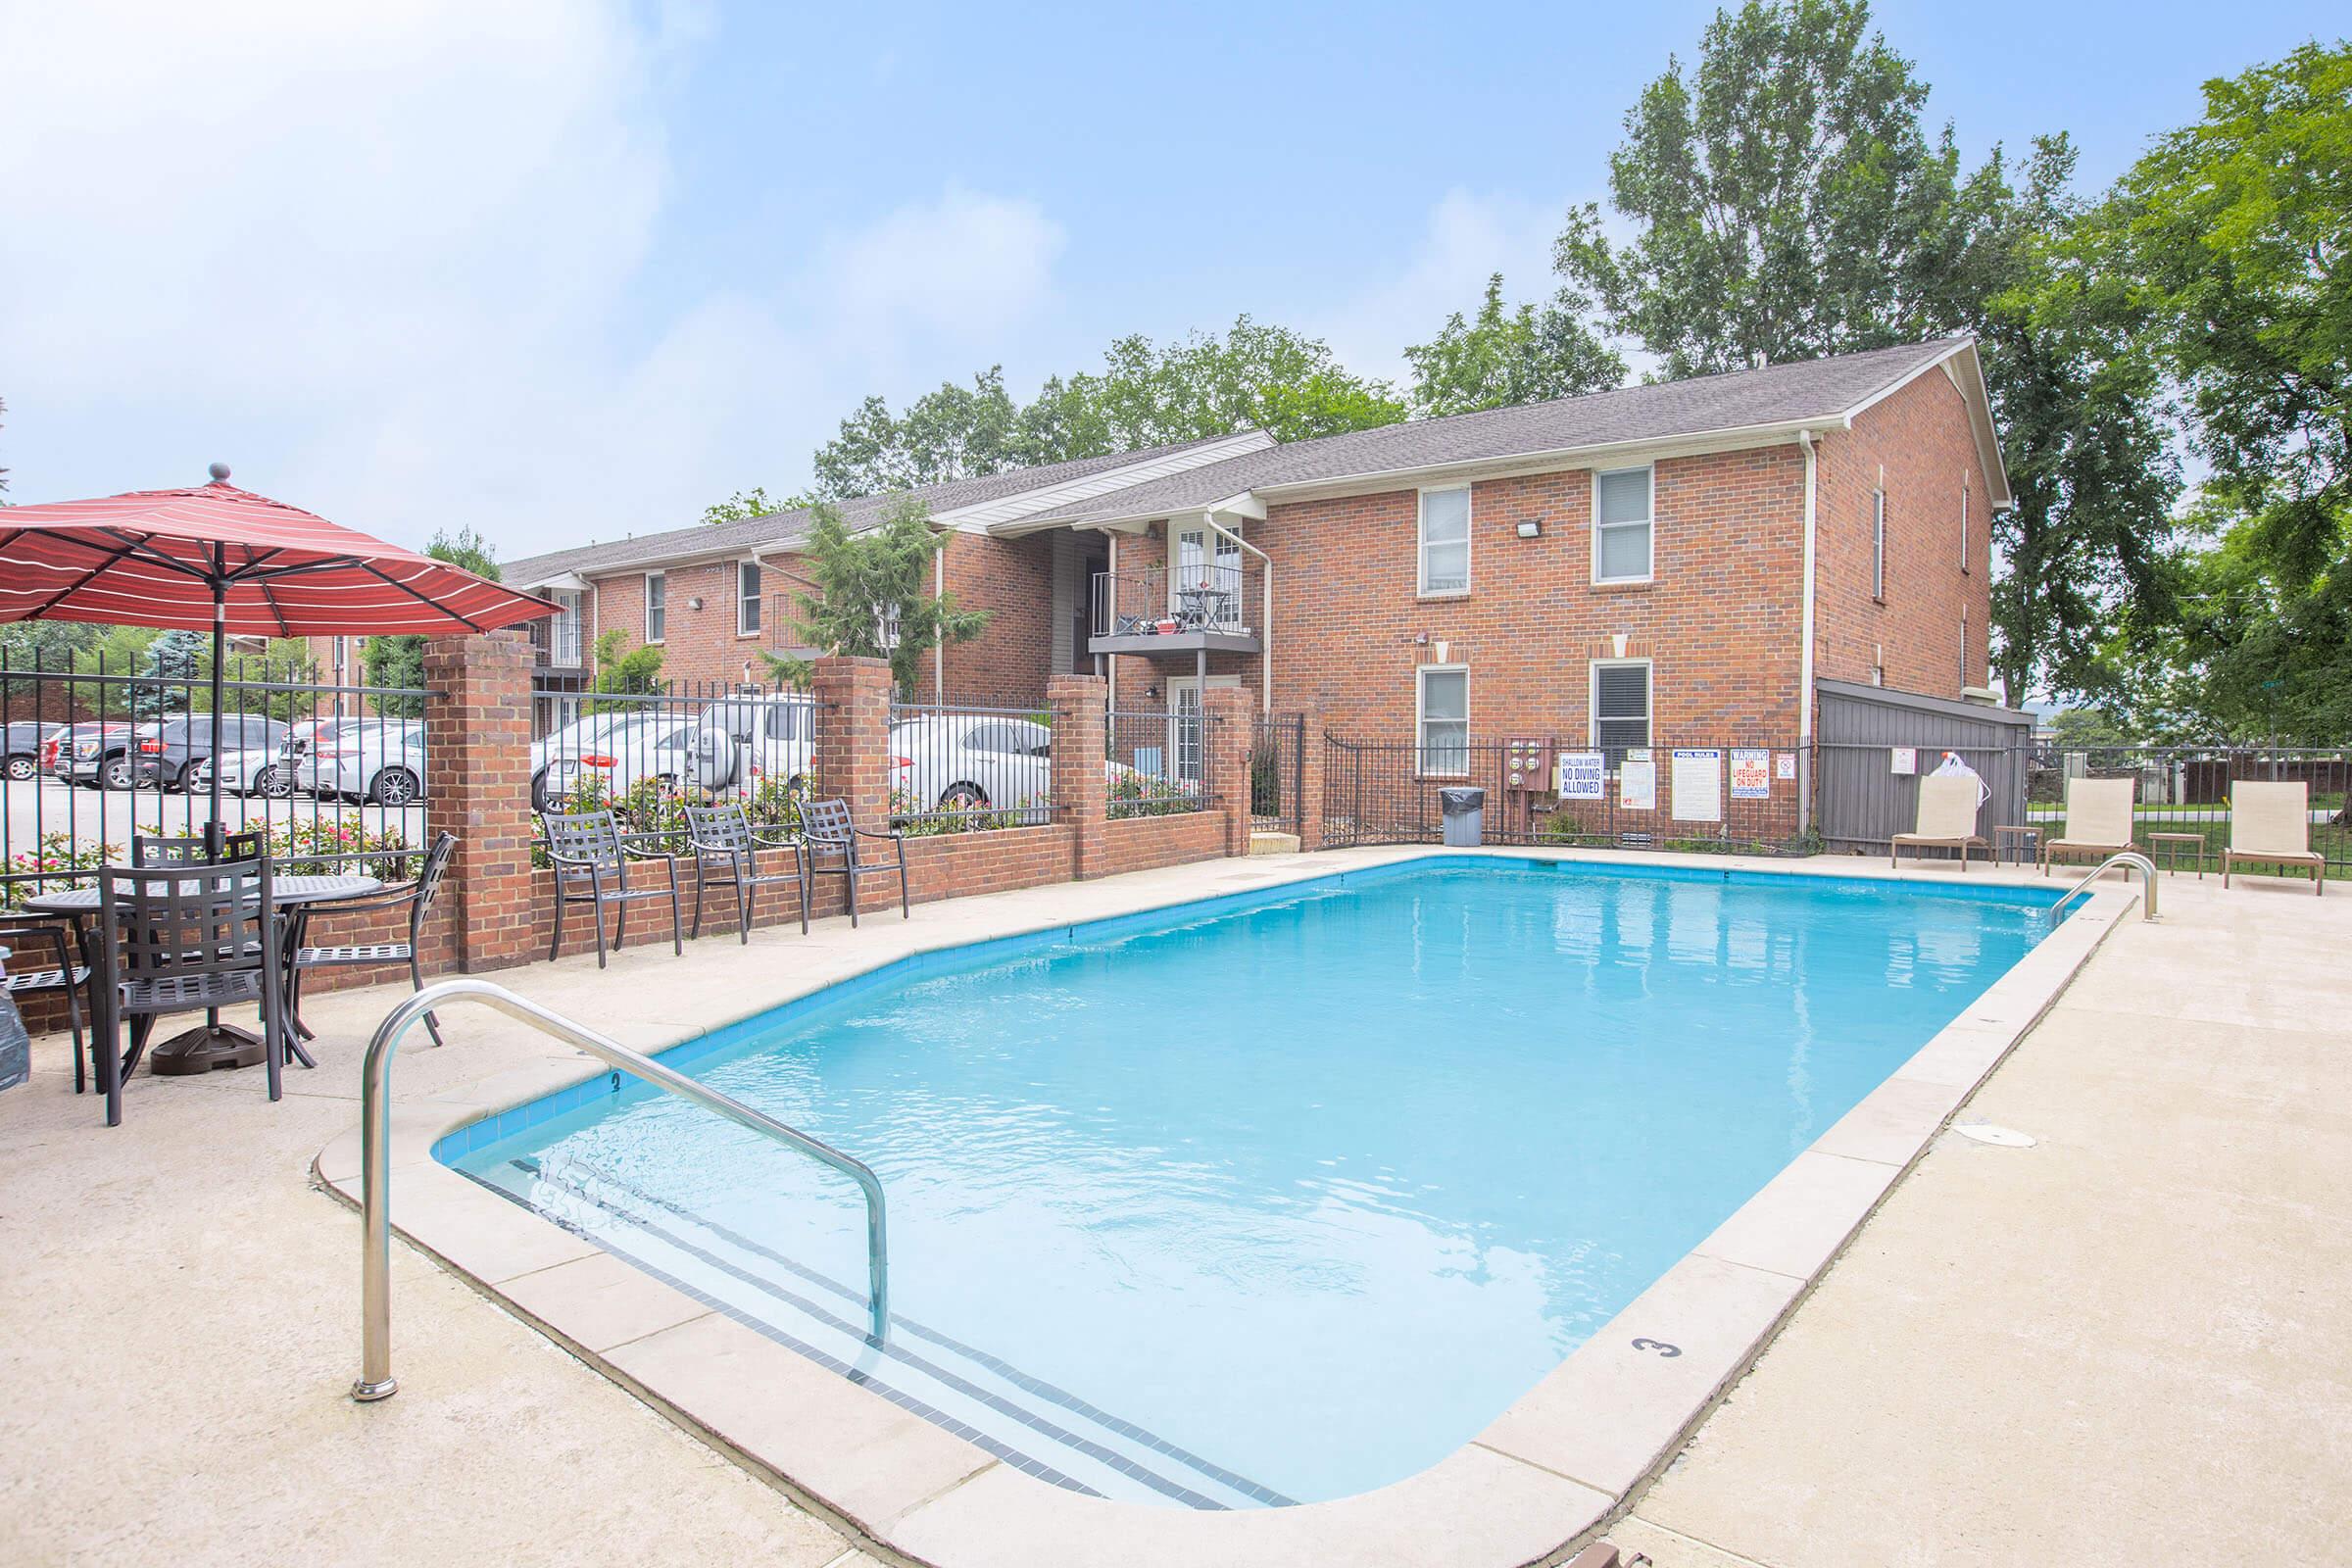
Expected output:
(416, 897)
(592, 866)
(2099, 820)
(1947, 821)
(828, 829)
(181, 939)
(2271, 824)
(726, 852)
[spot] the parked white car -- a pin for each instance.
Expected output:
(374, 762)
(618, 749)
(959, 762)
(256, 771)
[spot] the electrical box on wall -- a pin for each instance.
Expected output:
(1527, 765)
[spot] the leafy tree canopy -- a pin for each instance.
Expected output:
(867, 593)
(399, 660)
(1786, 202)
(1505, 357)
(752, 503)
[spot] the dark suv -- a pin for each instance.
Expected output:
(169, 752)
(22, 758)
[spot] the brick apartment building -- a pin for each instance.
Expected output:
(1683, 559)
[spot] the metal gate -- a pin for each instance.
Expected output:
(1278, 774)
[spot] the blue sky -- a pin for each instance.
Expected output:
(563, 270)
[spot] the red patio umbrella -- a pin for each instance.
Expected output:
(214, 555)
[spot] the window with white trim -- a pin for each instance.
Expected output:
(1622, 525)
(747, 598)
(1878, 545)
(886, 627)
(1442, 717)
(1620, 706)
(1446, 541)
(657, 606)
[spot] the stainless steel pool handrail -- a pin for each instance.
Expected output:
(2129, 861)
(376, 1379)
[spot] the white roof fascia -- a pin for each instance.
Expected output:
(1004, 515)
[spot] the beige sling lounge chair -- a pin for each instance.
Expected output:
(1947, 821)
(2271, 824)
(2099, 820)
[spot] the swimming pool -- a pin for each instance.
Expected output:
(1275, 1199)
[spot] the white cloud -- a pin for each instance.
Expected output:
(391, 262)
(1467, 238)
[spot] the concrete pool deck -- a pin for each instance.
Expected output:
(171, 1376)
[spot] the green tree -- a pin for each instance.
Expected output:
(2227, 244)
(1786, 202)
(868, 596)
(171, 665)
(1505, 357)
(950, 433)
(634, 672)
(399, 660)
(752, 503)
(2087, 544)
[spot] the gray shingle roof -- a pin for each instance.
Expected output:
(1778, 394)
(784, 527)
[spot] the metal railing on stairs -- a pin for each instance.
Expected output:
(376, 1379)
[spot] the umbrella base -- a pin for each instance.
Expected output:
(202, 1048)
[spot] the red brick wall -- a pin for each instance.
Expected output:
(1720, 617)
(1919, 441)
(1011, 660)
(700, 645)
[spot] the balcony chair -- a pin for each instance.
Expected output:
(416, 897)
(182, 939)
(726, 852)
(592, 866)
(828, 829)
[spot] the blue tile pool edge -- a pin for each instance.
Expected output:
(683, 1055)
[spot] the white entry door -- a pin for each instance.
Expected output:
(1184, 724)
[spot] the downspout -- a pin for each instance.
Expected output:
(1804, 660)
(1265, 632)
(1111, 662)
(939, 648)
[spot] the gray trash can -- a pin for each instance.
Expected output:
(1466, 808)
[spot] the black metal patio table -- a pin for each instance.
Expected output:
(214, 1044)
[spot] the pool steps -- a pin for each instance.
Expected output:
(1030, 1424)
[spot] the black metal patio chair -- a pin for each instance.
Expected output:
(416, 897)
(43, 959)
(592, 866)
(726, 853)
(183, 939)
(827, 828)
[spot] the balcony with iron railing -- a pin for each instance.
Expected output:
(1151, 610)
(556, 643)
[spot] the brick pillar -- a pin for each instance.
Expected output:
(1081, 795)
(478, 729)
(853, 752)
(1229, 715)
(1309, 815)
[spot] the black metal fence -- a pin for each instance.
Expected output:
(647, 755)
(98, 753)
(2180, 816)
(961, 767)
(1277, 774)
(1695, 798)
(1157, 765)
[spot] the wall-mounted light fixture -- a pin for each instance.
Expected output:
(1532, 528)
(696, 602)
(1153, 691)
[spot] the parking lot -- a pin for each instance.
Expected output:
(38, 809)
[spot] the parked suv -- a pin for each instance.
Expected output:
(741, 740)
(24, 747)
(89, 754)
(170, 752)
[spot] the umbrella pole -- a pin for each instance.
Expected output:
(214, 839)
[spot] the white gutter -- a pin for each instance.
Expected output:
(1804, 660)
(1265, 632)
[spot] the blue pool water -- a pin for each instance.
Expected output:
(1276, 1198)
